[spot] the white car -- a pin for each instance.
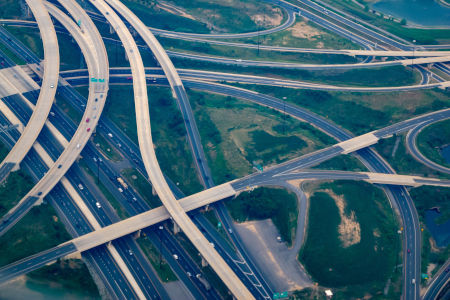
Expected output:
(175, 256)
(98, 204)
(80, 186)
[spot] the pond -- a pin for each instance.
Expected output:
(445, 152)
(416, 12)
(439, 232)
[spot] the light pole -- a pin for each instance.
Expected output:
(414, 53)
(160, 244)
(98, 170)
(284, 115)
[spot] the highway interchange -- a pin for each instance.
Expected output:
(129, 281)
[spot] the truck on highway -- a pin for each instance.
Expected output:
(203, 281)
(122, 182)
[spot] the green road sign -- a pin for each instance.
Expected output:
(101, 80)
(79, 22)
(280, 295)
(93, 79)
(219, 224)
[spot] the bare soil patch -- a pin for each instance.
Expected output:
(304, 31)
(349, 228)
(269, 20)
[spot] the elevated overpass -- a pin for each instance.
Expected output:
(217, 193)
(97, 96)
(148, 153)
(305, 66)
(47, 93)
(211, 76)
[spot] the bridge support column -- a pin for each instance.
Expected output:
(15, 168)
(137, 234)
(111, 29)
(39, 202)
(75, 255)
(204, 262)
(126, 56)
(176, 228)
(154, 191)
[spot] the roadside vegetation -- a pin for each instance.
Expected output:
(142, 186)
(163, 269)
(5, 51)
(262, 203)
(432, 138)
(342, 163)
(39, 230)
(239, 136)
(3, 152)
(70, 275)
(105, 147)
(15, 186)
(117, 206)
(352, 243)
(246, 53)
(379, 109)
(70, 54)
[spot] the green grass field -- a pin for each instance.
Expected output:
(238, 135)
(39, 230)
(70, 275)
(264, 203)
(432, 138)
(357, 260)
(10, 9)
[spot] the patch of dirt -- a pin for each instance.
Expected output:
(430, 268)
(55, 219)
(349, 228)
(265, 20)
(304, 31)
(172, 9)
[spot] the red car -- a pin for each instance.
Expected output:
(409, 251)
(88, 130)
(87, 120)
(129, 78)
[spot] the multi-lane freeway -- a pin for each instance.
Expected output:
(60, 158)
